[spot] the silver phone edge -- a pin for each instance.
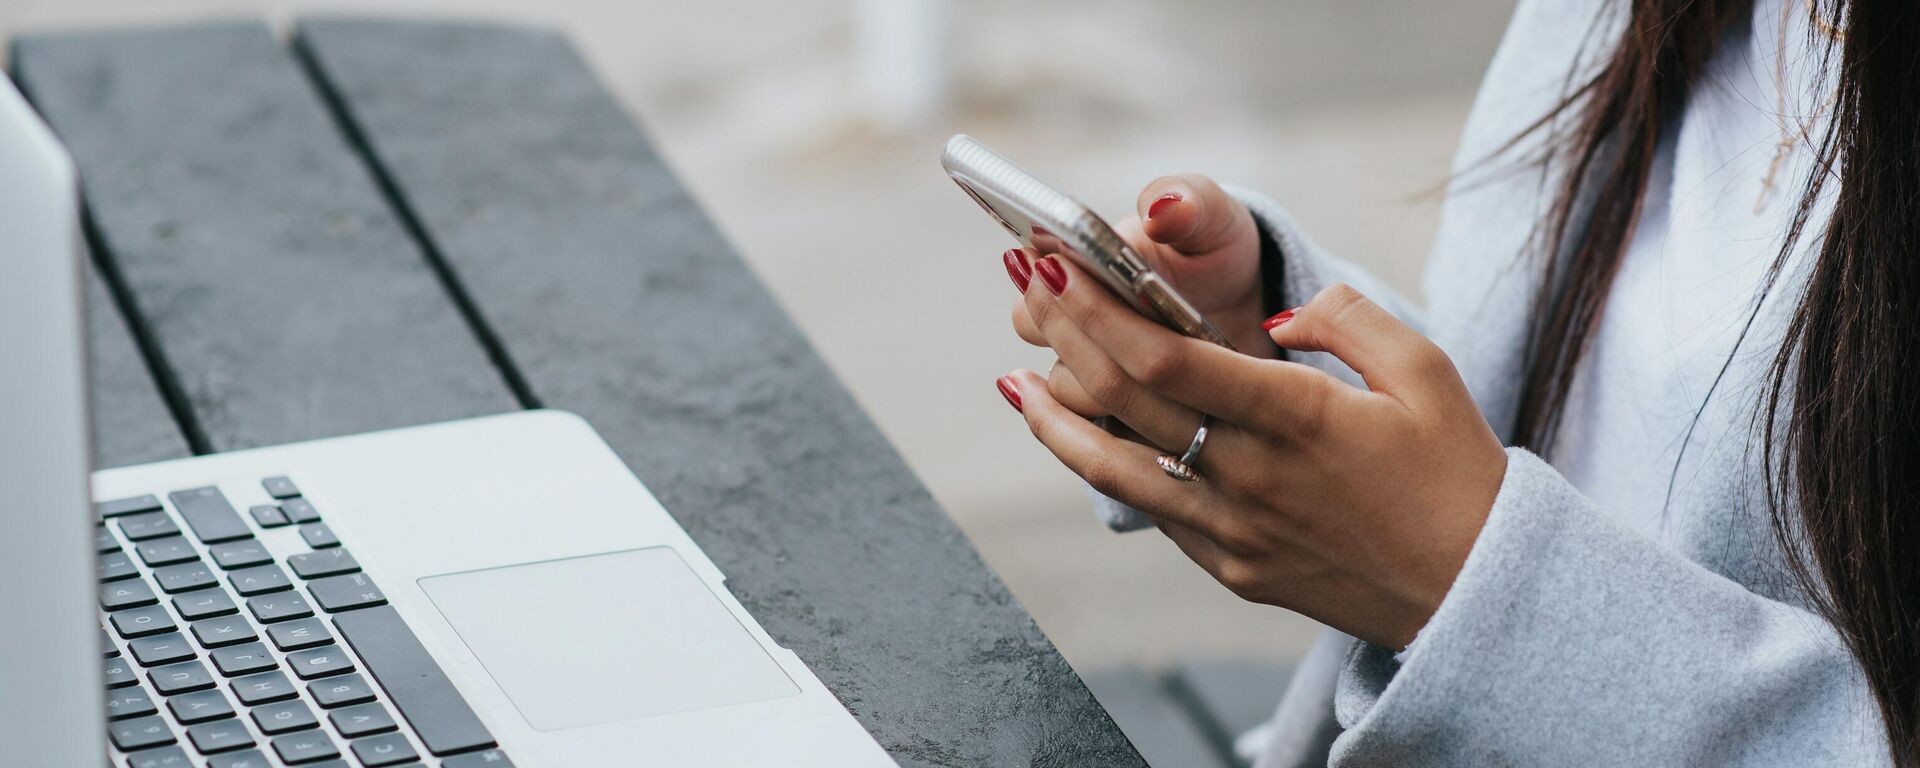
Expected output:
(971, 163)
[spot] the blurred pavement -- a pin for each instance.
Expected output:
(1346, 111)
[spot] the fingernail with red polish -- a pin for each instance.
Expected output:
(1052, 275)
(1161, 203)
(1017, 268)
(1275, 321)
(1010, 392)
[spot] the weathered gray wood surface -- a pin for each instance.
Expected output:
(282, 295)
(287, 298)
(129, 416)
(617, 299)
(131, 424)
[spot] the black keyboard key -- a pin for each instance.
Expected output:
(167, 551)
(326, 562)
(319, 536)
(237, 660)
(284, 717)
(248, 759)
(411, 678)
(118, 507)
(200, 605)
(180, 678)
(121, 595)
(114, 566)
(223, 631)
(254, 690)
(107, 648)
(185, 577)
(141, 622)
(209, 515)
(346, 593)
(221, 737)
(362, 720)
(319, 662)
(340, 691)
(300, 511)
(268, 515)
(299, 634)
(199, 707)
(103, 540)
(305, 747)
(380, 751)
(128, 702)
(282, 606)
(118, 673)
(140, 733)
(280, 487)
(259, 580)
(491, 758)
(239, 554)
(147, 525)
(160, 649)
(164, 757)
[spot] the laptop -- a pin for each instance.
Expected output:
(492, 592)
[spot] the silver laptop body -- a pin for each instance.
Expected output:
(574, 622)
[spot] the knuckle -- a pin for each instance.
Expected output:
(1108, 386)
(1039, 309)
(1083, 313)
(1161, 364)
(1100, 474)
(1338, 297)
(1311, 408)
(1237, 536)
(1239, 577)
(1431, 362)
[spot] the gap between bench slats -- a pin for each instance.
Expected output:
(258, 258)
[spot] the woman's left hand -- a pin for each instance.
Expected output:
(1354, 507)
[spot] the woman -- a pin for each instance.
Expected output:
(1638, 486)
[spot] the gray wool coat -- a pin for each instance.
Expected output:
(1569, 638)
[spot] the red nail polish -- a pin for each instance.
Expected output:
(1275, 321)
(1010, 392)
(1052, 275)
(1160, 203)
(1017, 268)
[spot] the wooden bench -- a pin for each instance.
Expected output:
(382, 223)
(1189, 714)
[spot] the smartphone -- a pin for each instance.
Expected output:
(1050, 222)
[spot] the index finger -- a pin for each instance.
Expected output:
(1269, 395)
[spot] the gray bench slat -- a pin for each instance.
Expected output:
(619, 301)
(283, 295)
(131, 424)
(1230, 697)
(1159, 725)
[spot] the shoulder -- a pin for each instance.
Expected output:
(1549, 48)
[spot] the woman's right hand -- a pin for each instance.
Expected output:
(1201, 240)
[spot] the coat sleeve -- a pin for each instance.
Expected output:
(1677, 665)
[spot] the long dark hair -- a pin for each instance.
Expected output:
(1840, 421)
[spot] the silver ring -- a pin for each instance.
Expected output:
(1182, 468)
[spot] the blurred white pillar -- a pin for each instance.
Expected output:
(900, 50)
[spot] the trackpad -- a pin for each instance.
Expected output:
(601, 638)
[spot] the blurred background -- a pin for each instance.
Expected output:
(812, 131)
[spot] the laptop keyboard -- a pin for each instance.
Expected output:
(218, 654)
